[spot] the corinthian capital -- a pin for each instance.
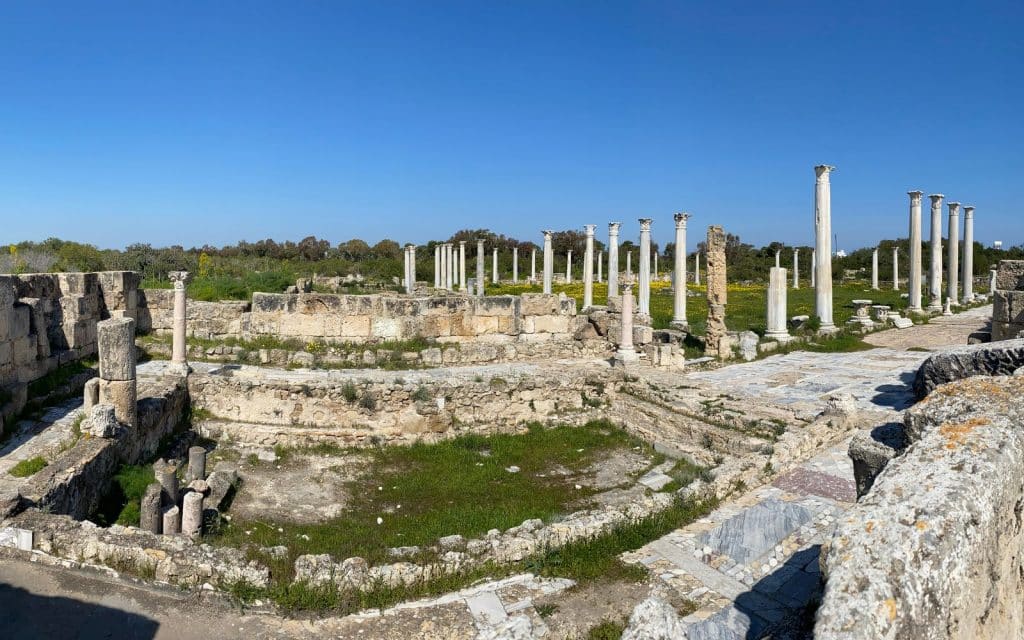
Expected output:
(179, 278)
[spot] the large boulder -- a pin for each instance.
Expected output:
(993, 359)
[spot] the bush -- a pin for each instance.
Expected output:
(349, 392)
(368, 401)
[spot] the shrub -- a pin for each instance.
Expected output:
(368, 401)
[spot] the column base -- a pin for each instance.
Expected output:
(781, 337)
(679, 325)
(179, 368)
(826, 329)
(625, 357)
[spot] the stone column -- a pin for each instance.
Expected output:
(494, 266)
(405, 268)
(895, 269)
(814, 267)
(444, 266)
(150, 515)
(644, 307)
(777, 329)
(796, 268)
(600, 265)
(968, 275)
(823, 246)
(192, 514)
(549, 261)
(588, 267)
(167, 476)
(179, 341)
(480, 267)
(462, 265)
(172, 520)
(935, 269)
(451, 267)
(679, 274)
(196, 464)
(410, 277)
(778, 258)
(914, 285)
(568, 267)
(437, 266)
(874, 269)
(115, 340)
(515, 265)
(533, 265)
(953, 254)
(626, 353)
(992, 281)
(696, 269)
(655, 276)
(629, 262)
(613, 259)
(716, 293)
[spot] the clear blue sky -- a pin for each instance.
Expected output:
(195, 122)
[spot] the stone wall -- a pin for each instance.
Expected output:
(1002, 358)
(49, 319)
(1008, 300)
(936, 547)
(210, 320)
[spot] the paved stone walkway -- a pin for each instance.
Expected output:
(941, 331)
(37, 437)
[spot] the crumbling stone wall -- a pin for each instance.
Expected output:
(1008, 300)
(1002, 358)
(714, 344)
(210, 320)
(49, 319)
(936, 547)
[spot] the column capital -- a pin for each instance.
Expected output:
(915, 196)
(589, 229)
(954, 208)
(645, 224)
(821, 172)
(613, 228)
(936, 199)
(547, 234)
(681, 219)
(968, 211)
(410, 246)
(462, 243)
(179, 278)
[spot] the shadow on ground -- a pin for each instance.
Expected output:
(27, 616)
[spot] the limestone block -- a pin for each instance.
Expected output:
(748, 345)
(538, 304)
(431, 357)
(101, 421)
(386, 329)
(192, 514)
(1010, 275)
(6, 353)
(495, 306)
(1008, 306)
(356, 327)
(436, 326)
(116, 344)
(91, 394)
(196, 464)
(872, 450)
(150, 512)
(123, 395)
(995, 358)
(654, 619)
(550, 324)
(483, 325)
(23, 351)
(21, 321)
(642, 335)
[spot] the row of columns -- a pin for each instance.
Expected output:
(955, 271)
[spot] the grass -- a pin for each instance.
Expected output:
(57, 378)
(122, 504)
(607, 629)
(28, 467)
(426, 491)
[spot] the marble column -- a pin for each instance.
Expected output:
(600, 265)
(823, 246)
(914, 284)
(796, 268)
(613, 258)
(874, 269)
(533, 265)
(953, 254)
(696, 269)
(895, 269)
(192, 514)
(480, 267)
(777, 329)
(588, 267)
(444, 265)
(655, 277)
(935, 268)
(462, 265)
(992, 281)
(644, 306)
(437, 266)
(179, 340)
(626, 352)
(410, 267)
(451, 266)
(568, 267)
(814, 267)
(115, 343)
(679, 274)
(494, 266)
(629, 262)
(778, 258)
(515, 265)
(549, 261)
(968, 267)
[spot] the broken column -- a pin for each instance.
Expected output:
(895, 269)
(179, 346)
(968, 275)
(823, 246)
(116, 346)
(796, 268)
(935, 269)
(992, 281)
(192, 514)
(588, 267)
(480, 267)
(714, 343)
(172, 520)
(644, 288)
(549, 261)
(613, 259)
(874, 269)
(679, 275)
(777, 329)
(167, 475)
(150, 512)
(626, 352)
(196, 464)
(953, 254)
(914, 284)
(778, 258)
(462, 265)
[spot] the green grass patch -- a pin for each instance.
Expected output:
(28, 467)
(607, 629)
(57, 378)
(122, 504)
